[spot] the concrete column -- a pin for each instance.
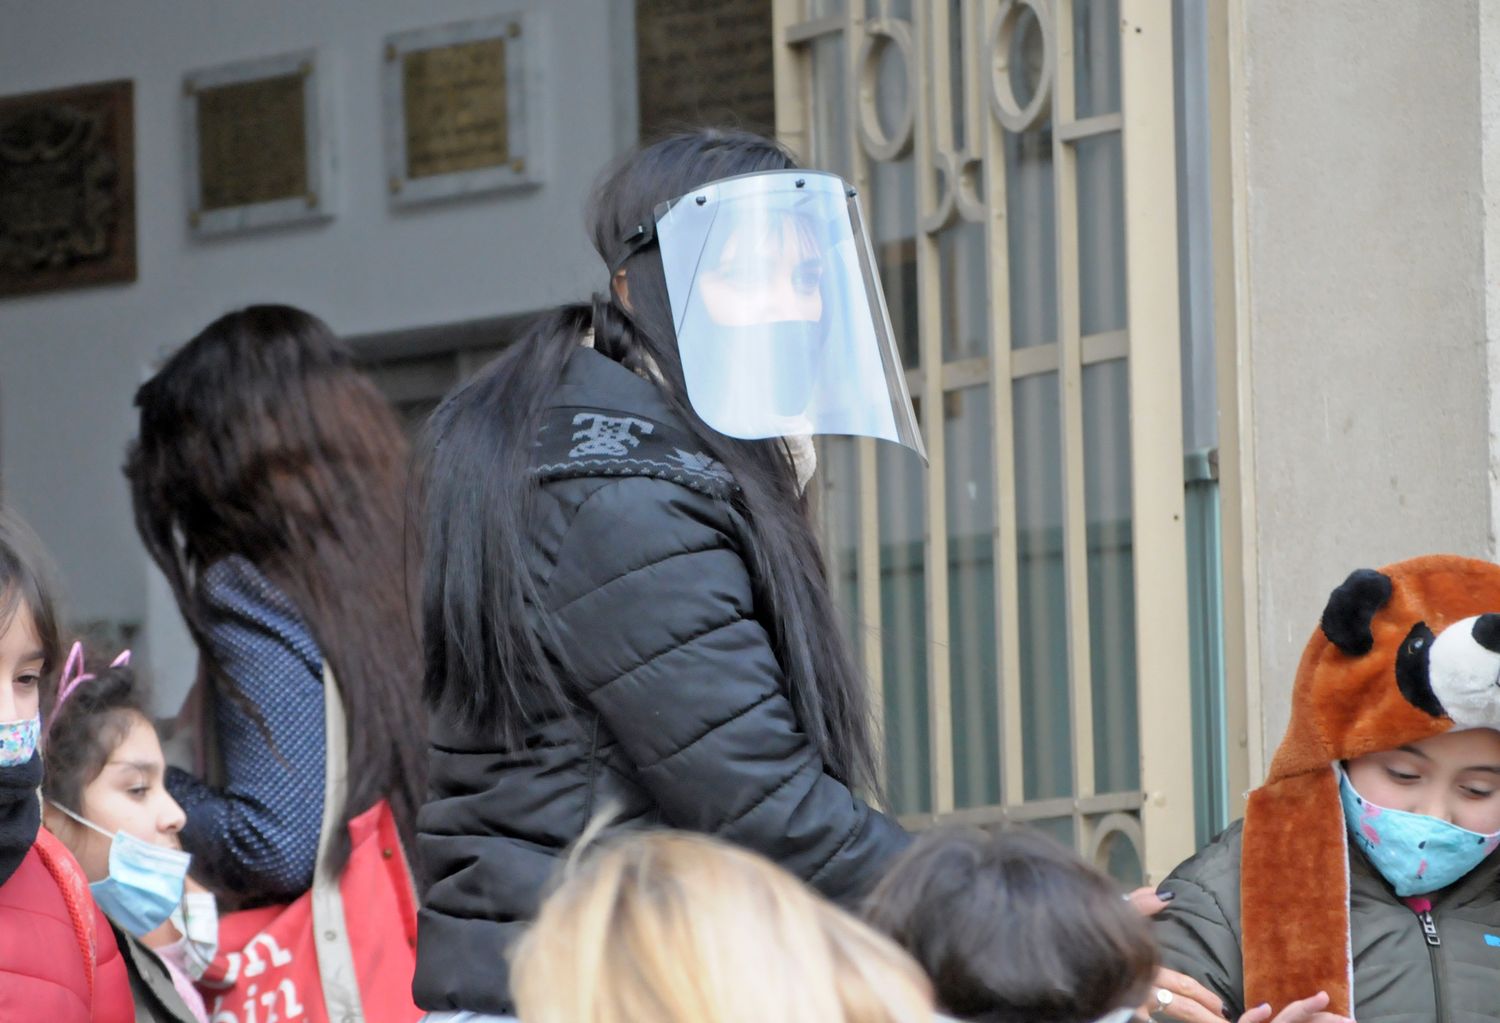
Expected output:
(1371, 297)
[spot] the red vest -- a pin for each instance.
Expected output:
(58, 958)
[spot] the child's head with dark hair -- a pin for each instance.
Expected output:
(28, 623)
(1015, 928)
(104, 764)
(94, 718)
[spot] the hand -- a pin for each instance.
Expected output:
(1190, 1002)
(1309, 1010)
(1148, 900)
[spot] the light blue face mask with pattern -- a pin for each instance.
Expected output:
(18, 740)
(145, 881)
(1416, 853)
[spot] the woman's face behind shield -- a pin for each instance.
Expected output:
(766, 272)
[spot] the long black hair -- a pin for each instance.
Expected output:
(486, 652)
(259, 438)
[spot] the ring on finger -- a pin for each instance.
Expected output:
(1163, 999)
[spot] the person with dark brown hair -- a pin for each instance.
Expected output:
(268, 480)
(58, 957)
(106, 801)
(1015, 928)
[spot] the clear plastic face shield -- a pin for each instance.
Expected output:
(780, 318)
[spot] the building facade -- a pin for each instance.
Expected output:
(1199, 301)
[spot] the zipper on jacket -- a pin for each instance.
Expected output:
(1429, 929)
(1434, 945)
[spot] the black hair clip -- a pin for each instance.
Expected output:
(642, 236)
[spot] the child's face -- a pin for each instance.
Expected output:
(1454, 776)
(20, 667)
(129, 796)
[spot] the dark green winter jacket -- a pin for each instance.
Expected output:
(1401, 974)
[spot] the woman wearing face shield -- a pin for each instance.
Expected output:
(625, 607)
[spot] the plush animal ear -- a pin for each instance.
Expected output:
(1351, 608)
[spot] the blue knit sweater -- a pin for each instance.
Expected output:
(257, 835)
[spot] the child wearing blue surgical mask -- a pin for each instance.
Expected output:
(1425, 819)
(106, 800)
(1427, 813)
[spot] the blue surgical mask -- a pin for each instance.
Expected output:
(1416, 853)
(18, 740)
(145, 881)
(197, 920)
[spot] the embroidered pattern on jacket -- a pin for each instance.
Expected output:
(714, 484)
(607, 435)
(703, 465)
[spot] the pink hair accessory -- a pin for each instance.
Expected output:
(74, 675)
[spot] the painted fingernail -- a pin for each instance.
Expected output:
(1165, 895)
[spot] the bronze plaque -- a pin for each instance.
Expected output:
(252, 142)
(67, 188)
(704, 62)
(455, 103)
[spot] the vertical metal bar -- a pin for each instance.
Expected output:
(793, 74)
(931, 129)
(871, 611)
(1070, 373)
(1154, 368)
(1002, 453)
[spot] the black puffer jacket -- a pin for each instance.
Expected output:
(682, 718)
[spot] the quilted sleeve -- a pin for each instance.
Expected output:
(655, 615)
(257, 835)
(1198, 932)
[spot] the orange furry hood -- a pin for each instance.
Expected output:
(1401, 654)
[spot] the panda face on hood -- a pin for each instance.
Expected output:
(1439, 644)
(1455, 673)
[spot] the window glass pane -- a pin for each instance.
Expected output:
(1031, 245)
(1029, 202)
(836, 485)
(1026, 58)
(956, 91)
(1060, 828)
(830, 105)
(1101, 234)
(971, 597)
(963, 283)
(1106, 467)
(892, 209)
(903, 613)
(1041, 600)
(1096, 57)
(1121, 860)
(1101, 197)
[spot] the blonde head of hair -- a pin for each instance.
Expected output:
(669, 927)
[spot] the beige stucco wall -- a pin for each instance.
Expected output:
(1365, 240)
